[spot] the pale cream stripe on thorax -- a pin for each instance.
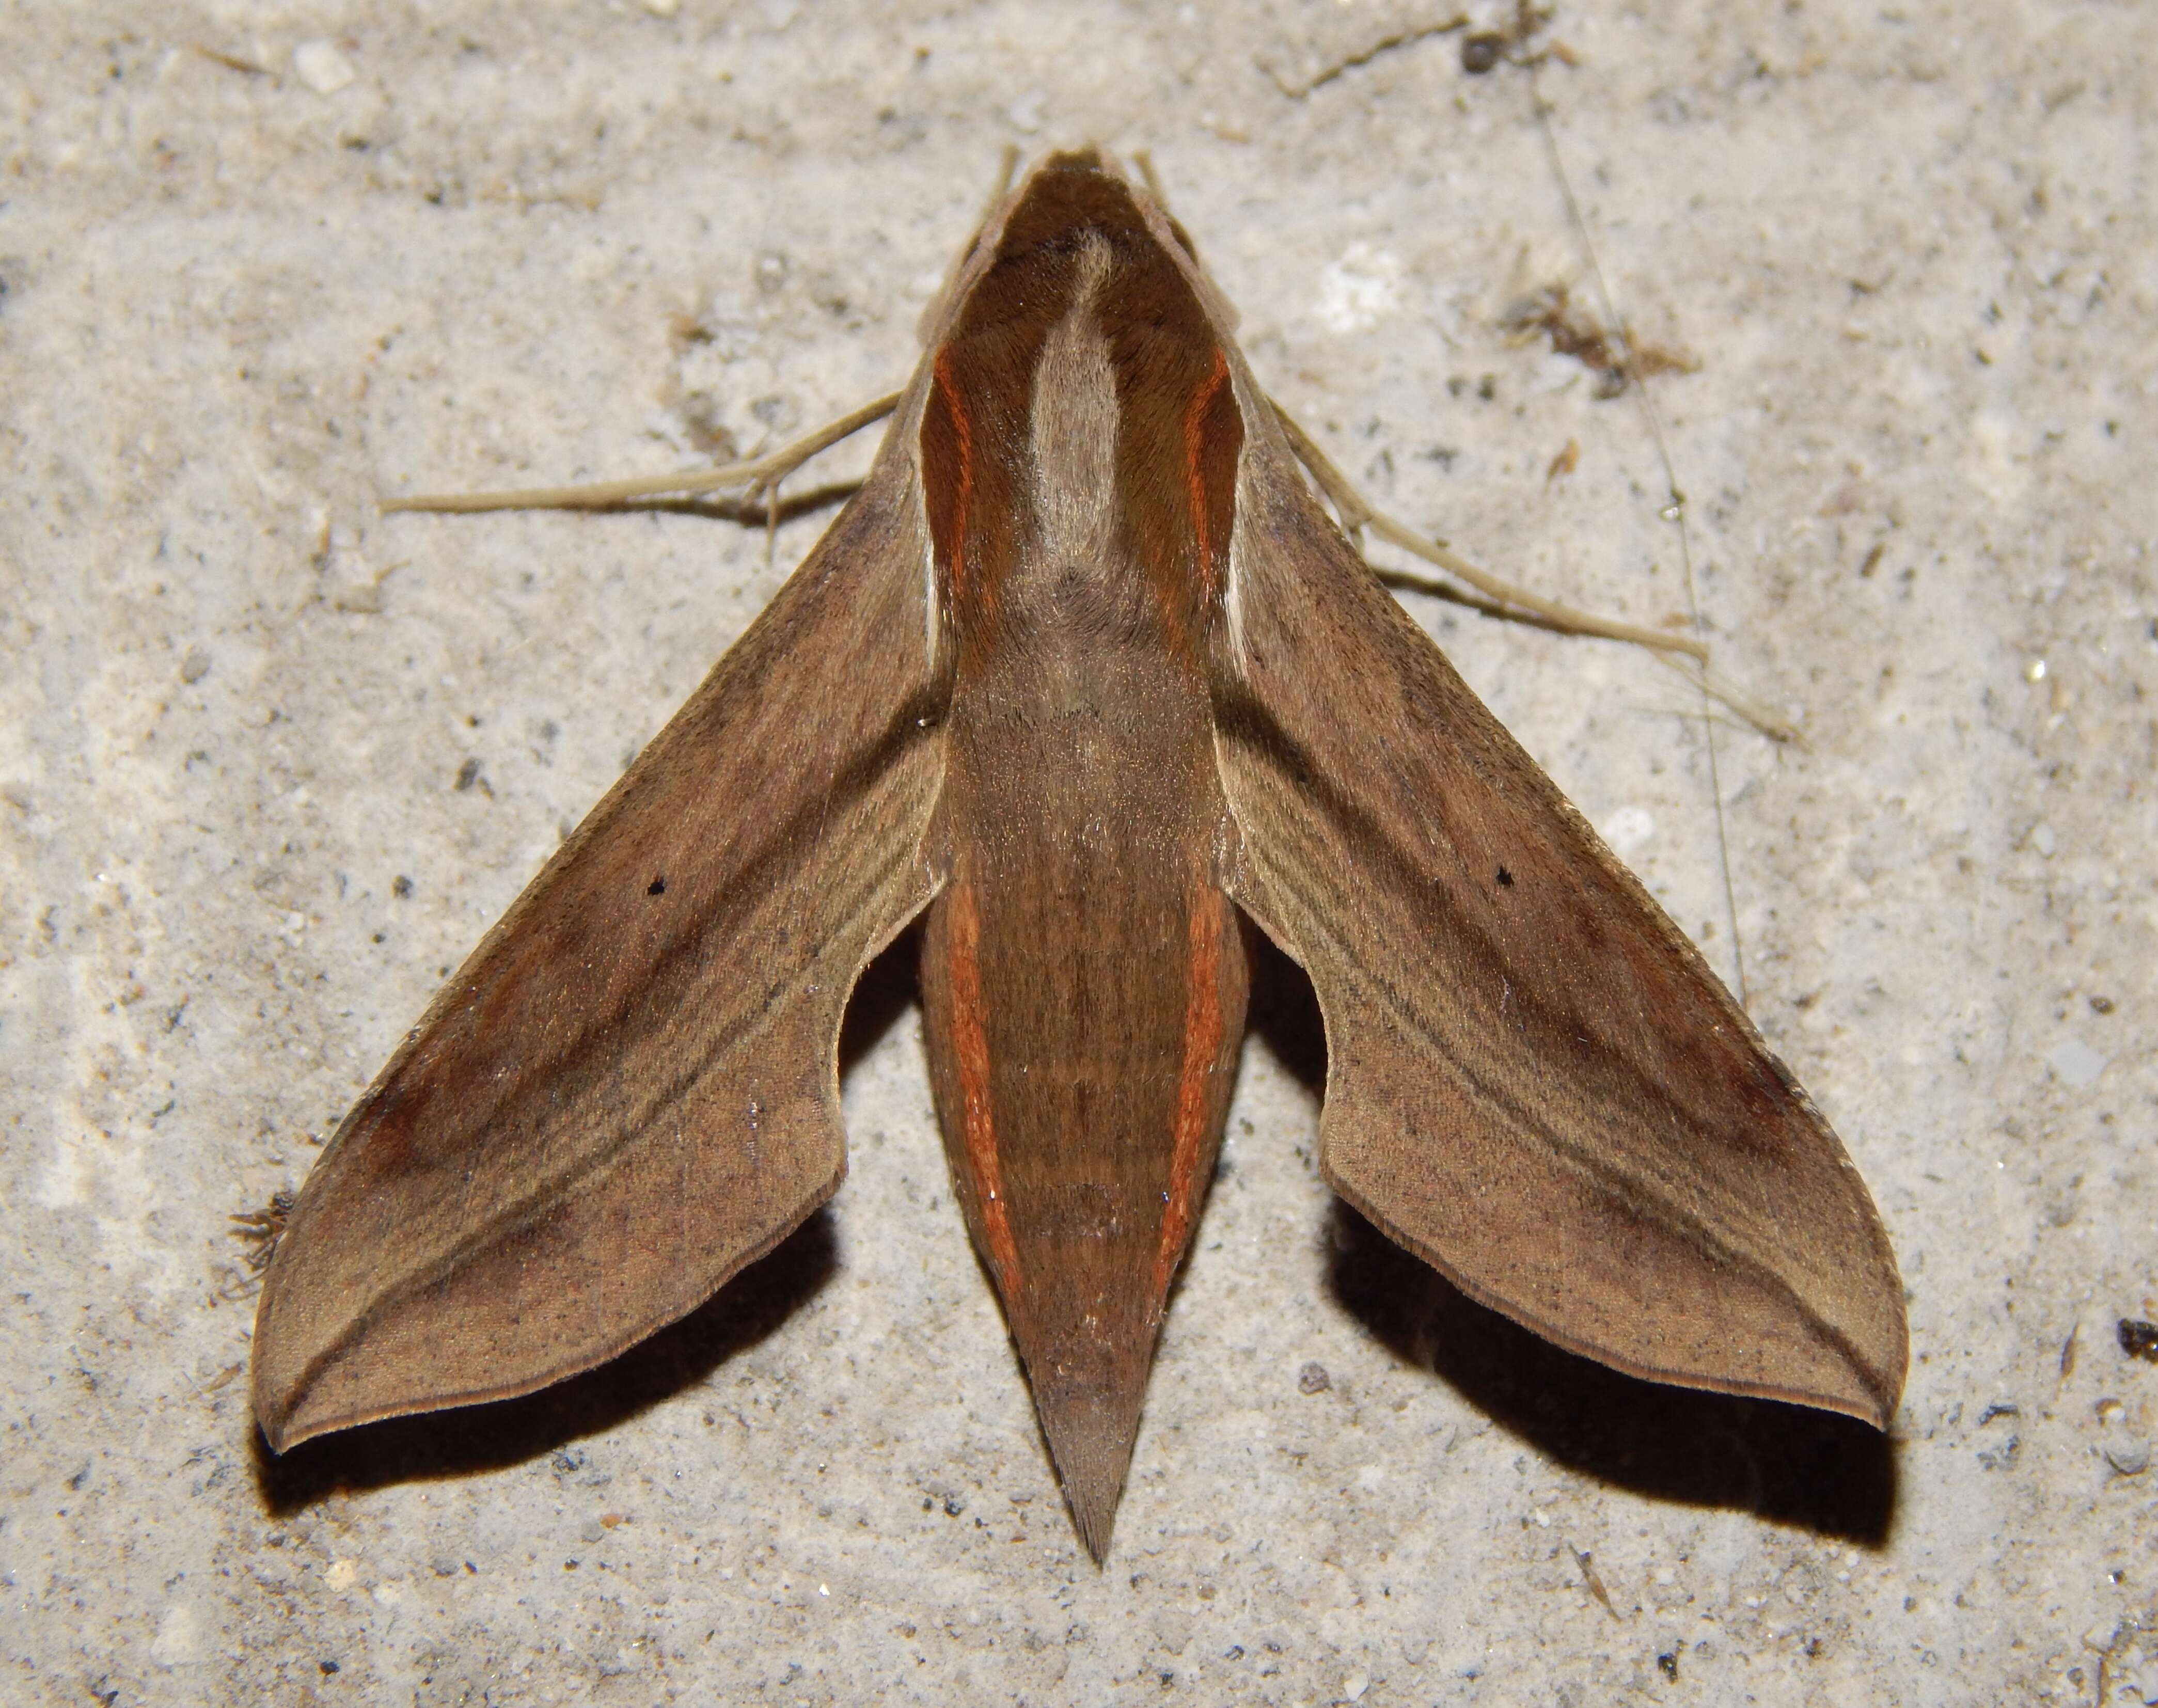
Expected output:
(1072, 418)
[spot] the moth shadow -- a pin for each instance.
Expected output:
(1792, 1464)
(471, 1440)
(886, 991)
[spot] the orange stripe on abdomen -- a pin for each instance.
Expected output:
(970, 1044)
(1194, 472)
(1202, 1049)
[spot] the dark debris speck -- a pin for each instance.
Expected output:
(1481, 53)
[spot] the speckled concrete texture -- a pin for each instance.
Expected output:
(269, 763)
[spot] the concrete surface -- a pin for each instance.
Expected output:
(264, 262)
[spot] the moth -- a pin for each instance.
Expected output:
(1085, 678)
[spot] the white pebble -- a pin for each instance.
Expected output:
(322, 68)
(2076, 1063)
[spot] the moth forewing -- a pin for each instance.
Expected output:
(629, 1090)
(1535, 1082)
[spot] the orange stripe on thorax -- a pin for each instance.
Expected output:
(971, 1043)
(1202, 1049)
(963, 438)
(1195, 476)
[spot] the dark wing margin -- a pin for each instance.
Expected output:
(630, 1090)
(1534, 1082)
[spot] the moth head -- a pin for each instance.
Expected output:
(1012, 189)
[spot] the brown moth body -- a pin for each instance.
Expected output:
(1084, 671)
(1083, 973)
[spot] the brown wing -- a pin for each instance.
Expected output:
(1533, 1083)
(630, 1091)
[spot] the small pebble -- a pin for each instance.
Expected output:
(2130, 1458)
(322, 68)
(1482, 52)
(2075, 1063)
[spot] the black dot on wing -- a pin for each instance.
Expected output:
(1506, 879)
(657, 886)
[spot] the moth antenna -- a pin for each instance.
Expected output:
(927, 328)
(1759, 713)
(1007, 169)
(1143, 159)
(758, 475)
(1507, 598)
(1495, 597)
